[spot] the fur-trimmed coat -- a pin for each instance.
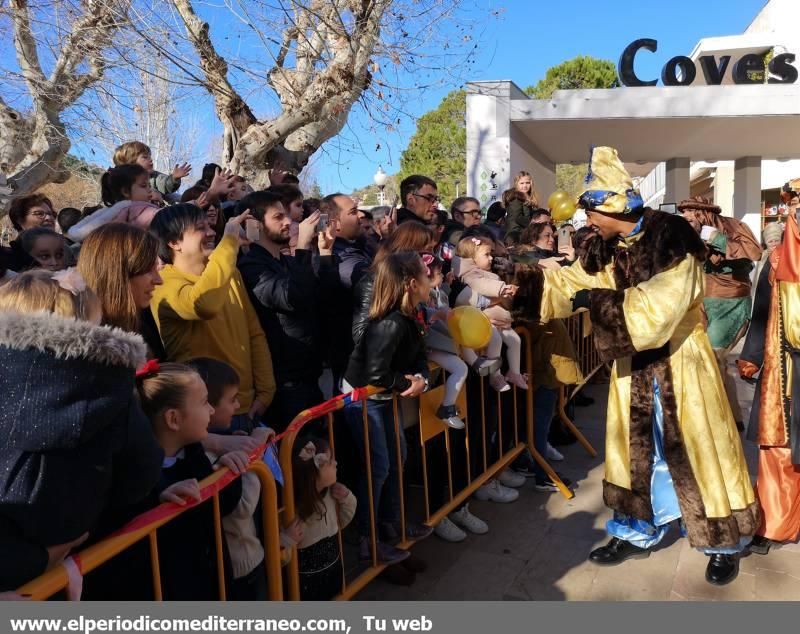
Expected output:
(646, 309)
(74, 442)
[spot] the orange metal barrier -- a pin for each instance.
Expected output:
(91, 558)
(430, 427)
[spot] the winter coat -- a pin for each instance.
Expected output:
(362, 299)
(353, 258)
(75, 441)
(139, 214)
(406, 215)
(390, 348)
(288, 295)
(481, 288)
(518, 217)
(164, 184)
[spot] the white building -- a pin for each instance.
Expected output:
(736, 144)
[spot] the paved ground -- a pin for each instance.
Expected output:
(536, 548)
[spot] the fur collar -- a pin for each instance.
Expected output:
(69, 338)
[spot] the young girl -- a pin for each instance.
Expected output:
(46, 248)
(75, 442)
(391, 355)
(485, 290)
(175, 399)
(441, 349)
(127, 195)
(323, 506)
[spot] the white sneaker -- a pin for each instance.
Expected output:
(496, 492)
(449, 532)
(468, 521)
(554, 454)
(510, 479)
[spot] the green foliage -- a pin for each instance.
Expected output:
(574, 74)
(580, 72)
(78, 166)
(438, 148)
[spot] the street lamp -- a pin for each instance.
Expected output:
(380, 178)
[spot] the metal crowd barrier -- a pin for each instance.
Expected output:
(275, 513)
(429, 427)
(146, 526)
(579, 328)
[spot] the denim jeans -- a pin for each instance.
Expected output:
(383, 461)
(544, 406)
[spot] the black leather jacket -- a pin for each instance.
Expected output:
(362, 298)
(389, 349)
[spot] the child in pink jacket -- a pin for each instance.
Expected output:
(485, 290)
(126, 193)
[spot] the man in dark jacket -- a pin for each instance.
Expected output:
(420, 198)
(353, 256)
(289, 293)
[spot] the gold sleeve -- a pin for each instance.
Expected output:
(655, 308)
(561, 285)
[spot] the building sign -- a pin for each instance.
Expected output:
(745, 70)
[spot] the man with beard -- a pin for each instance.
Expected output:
(202, 308)
(672, 450)
(288, 293)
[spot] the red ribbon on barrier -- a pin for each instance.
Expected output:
(168, 510)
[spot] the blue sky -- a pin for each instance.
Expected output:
(527, 38)
(533, 35)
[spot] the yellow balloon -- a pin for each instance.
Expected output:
(469, 327)
(556, 198)
(564, 210)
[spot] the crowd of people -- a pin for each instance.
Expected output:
(155, 338)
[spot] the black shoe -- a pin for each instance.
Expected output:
(616, 551)
(760, 545)
(524, 465)
(581, 400)
(722, 569)
(546, 484)
(559, 434)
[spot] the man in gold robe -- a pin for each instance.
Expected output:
(773, 347)
(672, 448)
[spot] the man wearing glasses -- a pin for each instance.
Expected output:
(420, 199)
(465, 212)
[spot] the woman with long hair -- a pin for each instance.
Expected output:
(390, 355)
(519, 201)
(120, 264)
(410, 236)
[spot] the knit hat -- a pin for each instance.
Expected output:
(772, 231)
(609, 187)
(699, 203)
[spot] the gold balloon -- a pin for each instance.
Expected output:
(469, 327)
(564, 210)
(556, 198)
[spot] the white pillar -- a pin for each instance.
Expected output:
(747, 192)
(676, 183)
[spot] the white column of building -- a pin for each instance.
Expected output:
(495, 146)
(747, 192)
(676, 182)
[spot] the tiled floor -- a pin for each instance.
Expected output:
(537, 547)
